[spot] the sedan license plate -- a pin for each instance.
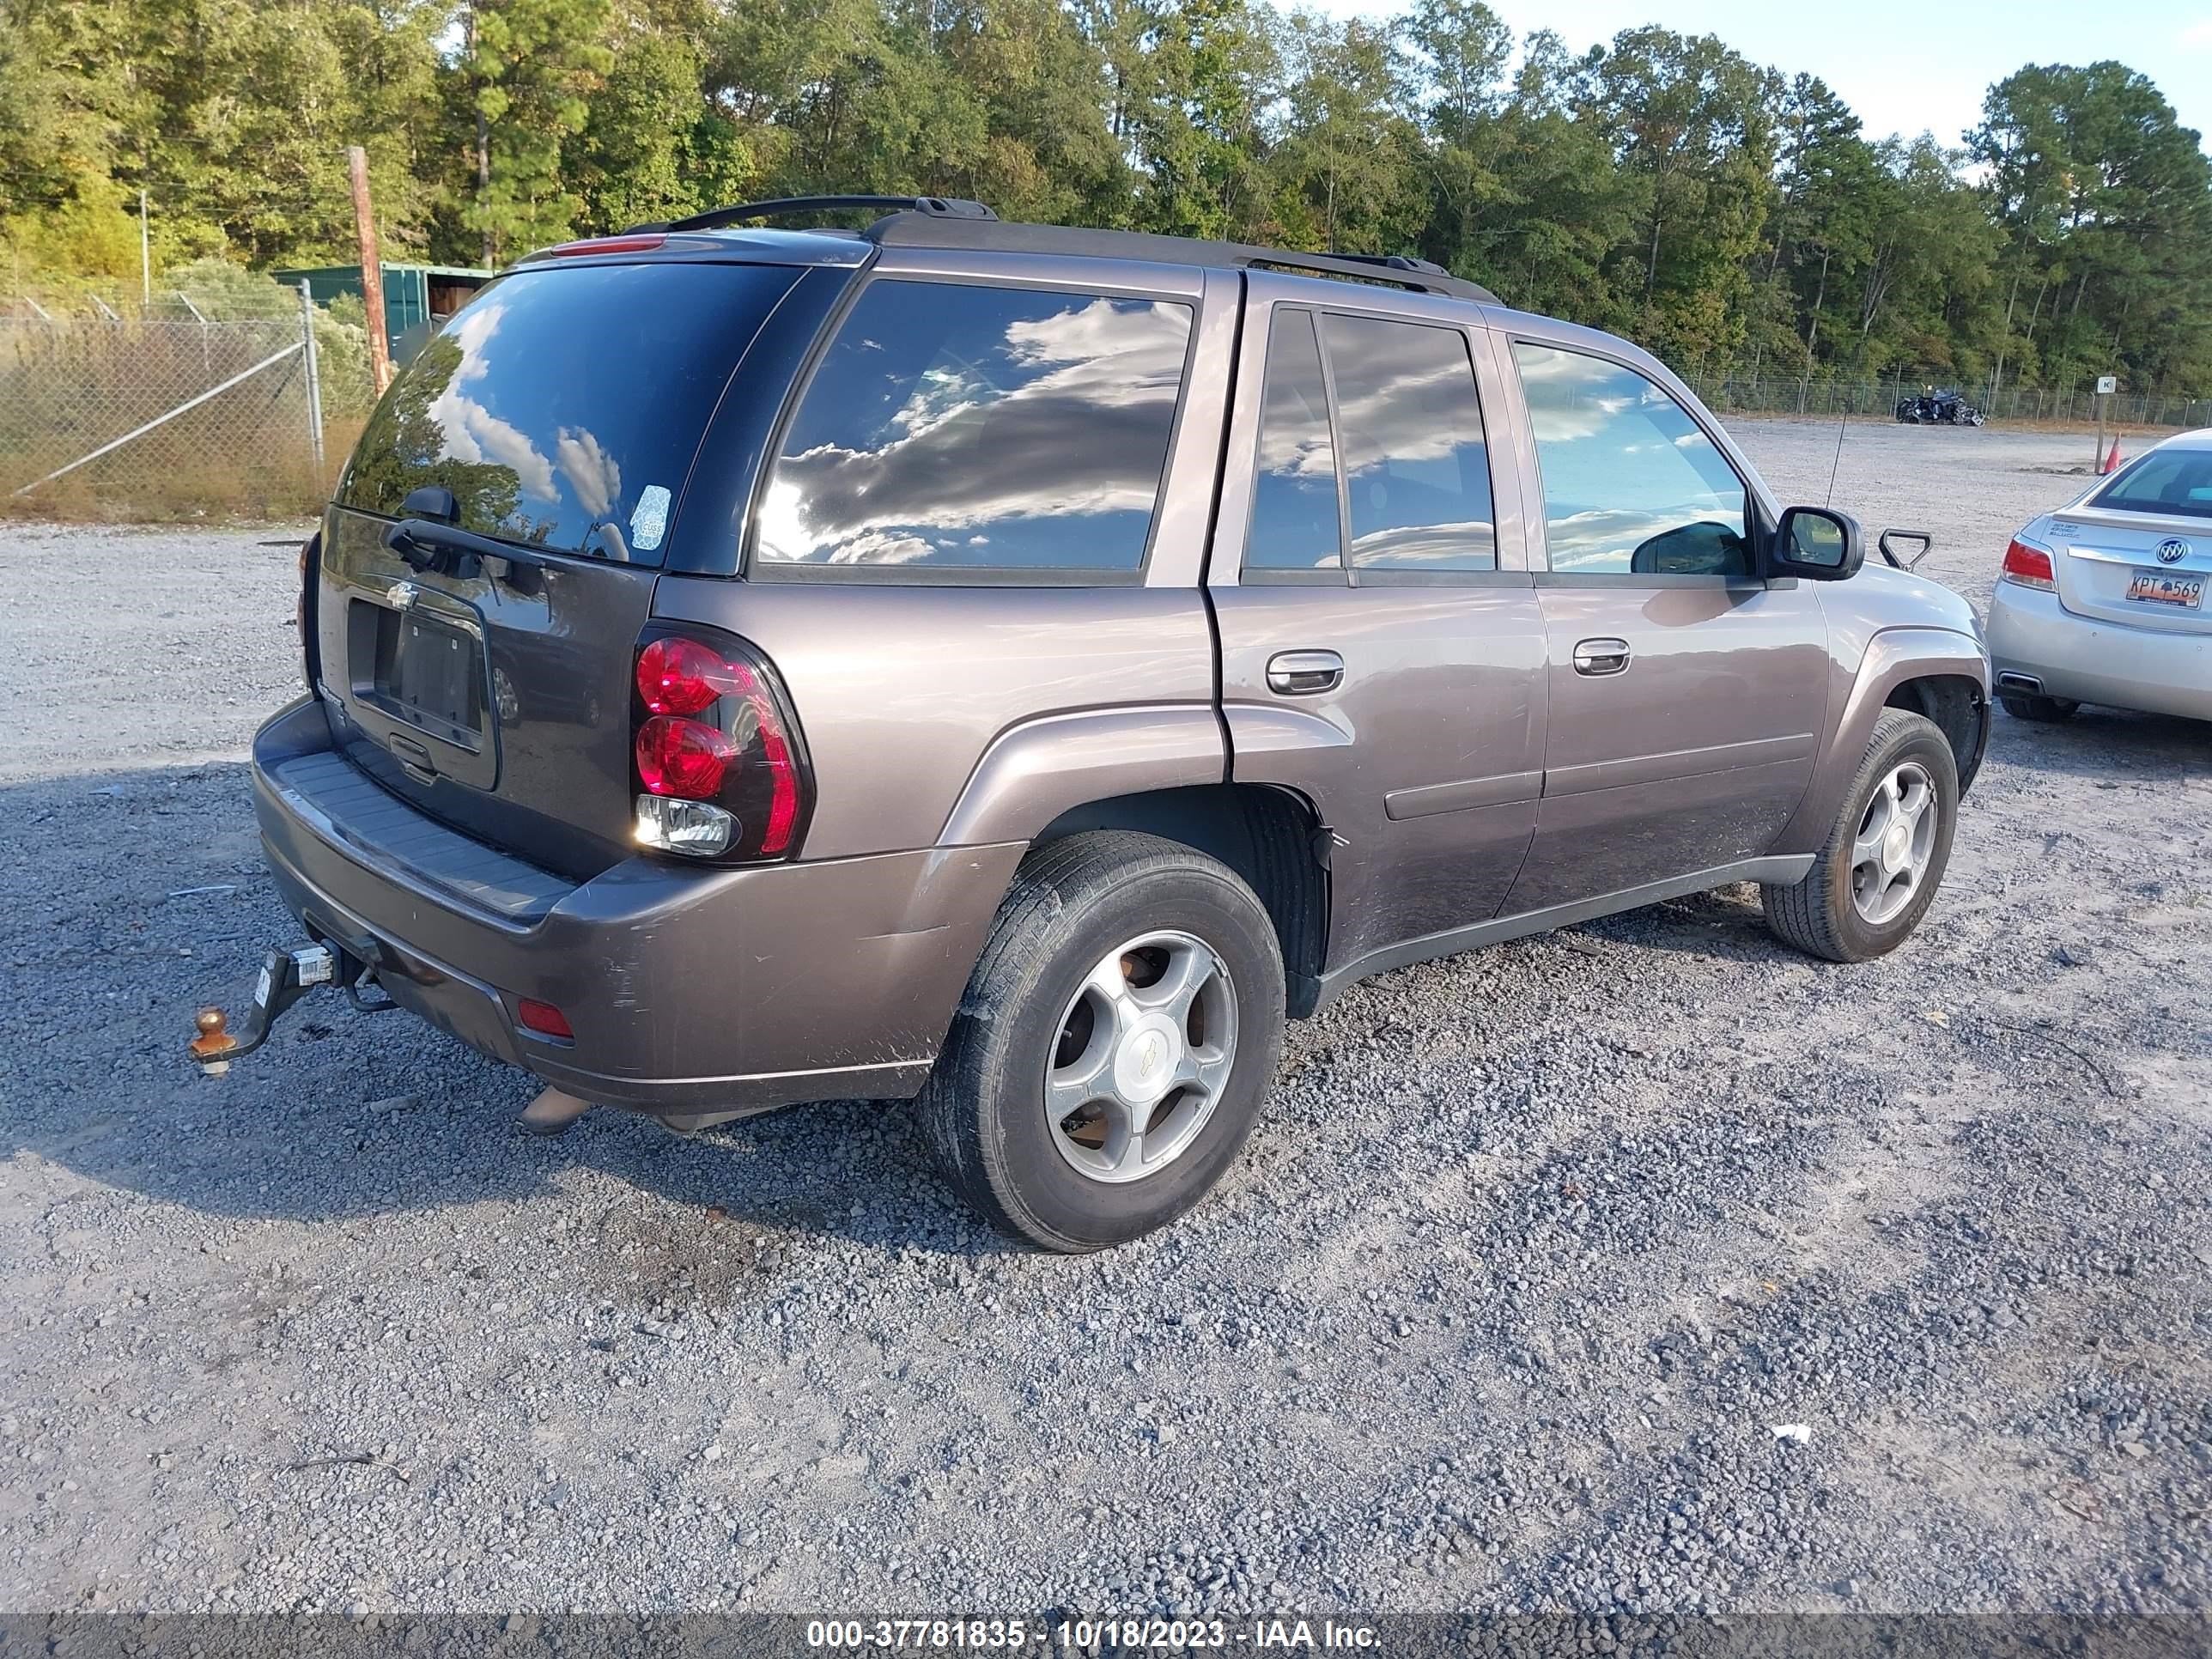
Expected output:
(2169, 587)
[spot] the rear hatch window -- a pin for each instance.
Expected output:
(563, 407)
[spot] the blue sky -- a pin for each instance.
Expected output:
(1907, 64)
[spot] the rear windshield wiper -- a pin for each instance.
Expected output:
(426, 544)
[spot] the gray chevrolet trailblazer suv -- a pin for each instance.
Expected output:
(1016, 667)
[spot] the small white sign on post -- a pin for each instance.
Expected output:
(2107, 384)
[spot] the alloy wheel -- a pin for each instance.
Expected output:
(1143, 1052)
(1895, 840)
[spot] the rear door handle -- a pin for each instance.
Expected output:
(1600, 657)
(1305, 673)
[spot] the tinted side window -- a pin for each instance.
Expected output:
(1415, 467)
(952, 426)
(1631, 483)
(1294, 522)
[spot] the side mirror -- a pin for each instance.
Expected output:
(1817, 543)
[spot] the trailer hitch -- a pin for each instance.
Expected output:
(286, 976)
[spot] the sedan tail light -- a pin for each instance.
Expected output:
(2028, 565)
(720, 769)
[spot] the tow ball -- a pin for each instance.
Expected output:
(286, 976)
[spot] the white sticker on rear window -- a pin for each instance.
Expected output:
(648, 522)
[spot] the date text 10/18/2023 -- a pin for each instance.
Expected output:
(1090, 1635)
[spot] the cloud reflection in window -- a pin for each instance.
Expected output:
(564, 404)
(1417, 472)
(473, 434)
(1627, 472)
(1294, 522)
(958, 425)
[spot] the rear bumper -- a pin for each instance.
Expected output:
(2085, 660)
(689, 990)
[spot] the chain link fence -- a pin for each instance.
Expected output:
(1739, 391)
(197, 416)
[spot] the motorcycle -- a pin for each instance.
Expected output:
(1939, 407)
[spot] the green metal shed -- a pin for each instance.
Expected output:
(417, 298)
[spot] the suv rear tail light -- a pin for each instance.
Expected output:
(684, 757)
(677, 675)
(721, 769)
(2028, 565)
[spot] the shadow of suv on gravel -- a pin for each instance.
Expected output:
(1017, 666)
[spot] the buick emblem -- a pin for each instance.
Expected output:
(2172, 550)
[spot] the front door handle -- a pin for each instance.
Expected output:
(1600, 656)
(1305, 673)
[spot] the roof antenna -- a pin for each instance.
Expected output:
(1839, 461)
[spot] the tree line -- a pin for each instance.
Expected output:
(1661, 186)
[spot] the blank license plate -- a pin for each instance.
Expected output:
(2167, 587)
(432, 674)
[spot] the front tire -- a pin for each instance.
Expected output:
(1884, 859)
(1117, 1038)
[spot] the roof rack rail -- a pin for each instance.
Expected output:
(1392, 270)
(786, 207)
(1396, 262)
(950, 221)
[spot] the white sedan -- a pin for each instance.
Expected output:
(2103, 601)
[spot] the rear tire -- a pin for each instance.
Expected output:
(1878, 874)
(2026, 706)
(1085, 985)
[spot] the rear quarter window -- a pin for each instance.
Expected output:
(563, 407)
(953, 427)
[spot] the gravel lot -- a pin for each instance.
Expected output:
(1533, 1251)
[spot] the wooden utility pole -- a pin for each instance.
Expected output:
(372, 272)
